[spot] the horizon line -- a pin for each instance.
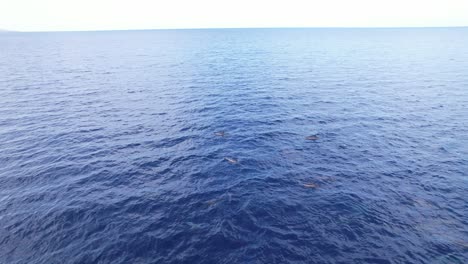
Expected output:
(213, 28)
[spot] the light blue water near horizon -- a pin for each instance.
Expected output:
(109, 153)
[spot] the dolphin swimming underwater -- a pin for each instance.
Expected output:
(231, 160)
(220, 134)
(312, 137)
(310, 185)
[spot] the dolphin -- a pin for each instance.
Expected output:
(212, 202)
(325, 179)
(219, 134)
(310, 185)
(231, 160)
(312, 137)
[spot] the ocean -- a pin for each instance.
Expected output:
(234, 146)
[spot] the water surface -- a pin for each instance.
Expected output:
(109, 155)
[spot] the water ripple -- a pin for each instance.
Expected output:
(191, 146)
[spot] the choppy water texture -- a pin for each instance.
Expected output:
(109, 152)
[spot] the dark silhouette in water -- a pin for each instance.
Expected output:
(212, 202)
(312, 137)
(325, 179)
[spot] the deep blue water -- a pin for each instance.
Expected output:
(108, 151)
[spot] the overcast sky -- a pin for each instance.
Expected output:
(51, 15)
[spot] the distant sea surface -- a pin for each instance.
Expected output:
(190, 146)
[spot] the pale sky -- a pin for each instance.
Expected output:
(64, 15)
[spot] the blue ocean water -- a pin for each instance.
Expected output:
(112, 148)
